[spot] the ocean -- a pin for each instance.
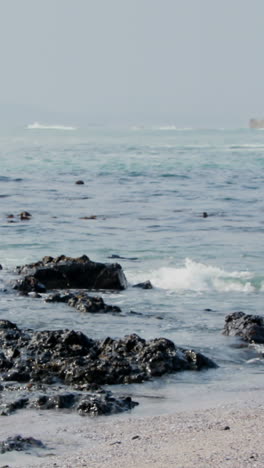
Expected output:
(145, 194)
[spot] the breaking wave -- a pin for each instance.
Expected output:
(198, 277)
(38, 126)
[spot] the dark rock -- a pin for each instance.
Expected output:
(6, 324)
(79, 182)
(70, 357)
(123, 258)
(20, 444)
(25, 216)
(30, 284)
(83, 302)
(104, 404)
(15, 405)
(59, 401)
(205, 215)
(145, 285)
(248, 327)
(66, 272)
(98, 402)
(1, 268)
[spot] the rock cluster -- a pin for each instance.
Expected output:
(70, 357)
(51, 369)
(83, 302)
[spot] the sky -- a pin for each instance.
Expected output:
(195, 63)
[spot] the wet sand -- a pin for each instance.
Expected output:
(226, 435)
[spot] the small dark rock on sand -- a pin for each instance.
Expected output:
(20, 444)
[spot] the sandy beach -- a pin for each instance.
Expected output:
(226, 435)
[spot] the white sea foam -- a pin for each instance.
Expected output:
(199, 277)
(38, 126)
(172, 127)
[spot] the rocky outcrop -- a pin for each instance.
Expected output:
(43, 397)
(248, 327)
(66, 272)
(39, 366)
(83, 302)
(70, 357)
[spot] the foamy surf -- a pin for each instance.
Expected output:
(198, 277)
(38, 126)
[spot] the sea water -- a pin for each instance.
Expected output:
(144, 198)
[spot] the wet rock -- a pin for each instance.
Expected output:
(25, 216)
(1, 268)
(79, 182)
(83, 302)
(66, 272)
(248, 327)
(30, 284)
(20, 444)
(134, 312)
(94, 403)
(89, 217)
(123, 258)
(70, 357)
(59, 401)
(104, 404)
(9, 408)
(144, 285)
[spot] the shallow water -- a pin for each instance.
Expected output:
(148, 189)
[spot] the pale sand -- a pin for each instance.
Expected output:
(225, 436)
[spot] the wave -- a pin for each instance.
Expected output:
(248, 145)
(198, 277)
(38, 126)
(172, 127)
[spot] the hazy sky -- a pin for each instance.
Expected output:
(184, 62)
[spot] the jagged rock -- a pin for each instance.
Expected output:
(104, 404)
(19, 444)
(83, 302)
(98, 402)
(66, 272)
(144, 285)
(70, 357)
(248, 327)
